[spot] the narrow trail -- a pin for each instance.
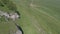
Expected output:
(46, 14)
(34, 7)
(35, 23)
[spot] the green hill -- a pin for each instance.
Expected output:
(37, 17)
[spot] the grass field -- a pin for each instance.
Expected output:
(37, 17)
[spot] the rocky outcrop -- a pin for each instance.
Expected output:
(12, 16)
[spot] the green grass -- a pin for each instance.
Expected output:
(43, 17)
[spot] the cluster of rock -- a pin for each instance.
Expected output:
(12, 16)
(18, 30)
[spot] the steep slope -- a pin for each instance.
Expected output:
(39, 16)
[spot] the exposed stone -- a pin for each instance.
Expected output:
(12, 16)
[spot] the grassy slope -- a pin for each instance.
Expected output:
(39, 16)
(42, 15)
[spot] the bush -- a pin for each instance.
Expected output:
(9, 4)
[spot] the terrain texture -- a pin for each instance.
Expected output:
(37, 17)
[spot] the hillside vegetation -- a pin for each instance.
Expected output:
(37, 17)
